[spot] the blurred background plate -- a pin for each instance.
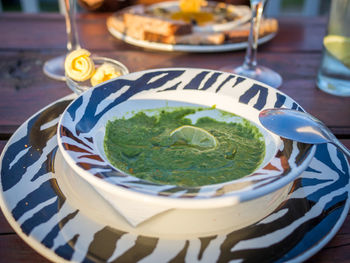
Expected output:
(186, 48)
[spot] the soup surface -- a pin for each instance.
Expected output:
(184, 146)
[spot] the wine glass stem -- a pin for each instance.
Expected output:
(71, 26)
(250, 60)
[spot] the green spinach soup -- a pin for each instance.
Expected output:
(167, 146)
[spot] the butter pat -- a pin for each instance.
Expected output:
(103, 73)
(78, 65)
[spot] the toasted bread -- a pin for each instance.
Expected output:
(156, 25)
(188, 39)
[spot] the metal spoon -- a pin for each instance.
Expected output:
(299, 126)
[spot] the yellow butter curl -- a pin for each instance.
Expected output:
(78, 65)
(105, 72)
(190, 6)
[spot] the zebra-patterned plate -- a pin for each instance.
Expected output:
(46, 214)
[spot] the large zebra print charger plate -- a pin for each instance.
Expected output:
(82, 126)
(37, 199)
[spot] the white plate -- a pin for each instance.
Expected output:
(186, 48)
(46, 213)
(189, 48)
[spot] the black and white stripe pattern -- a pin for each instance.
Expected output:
(81, 118)
(38, 210)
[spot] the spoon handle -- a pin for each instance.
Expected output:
(341, 146)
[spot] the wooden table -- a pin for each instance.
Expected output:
(27, 41)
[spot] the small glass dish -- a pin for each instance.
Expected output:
(80, 86)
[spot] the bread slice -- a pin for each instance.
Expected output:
(188, 39)
(201, 39)
(116, 22)
(156, 25)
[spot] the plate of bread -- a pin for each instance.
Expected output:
(188, 25)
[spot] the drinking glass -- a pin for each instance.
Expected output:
(54, 68)
(334, 72)
(250, 67)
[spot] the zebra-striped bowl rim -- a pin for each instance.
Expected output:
(81, 121)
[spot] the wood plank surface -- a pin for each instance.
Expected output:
(14, 249)
(22, 81)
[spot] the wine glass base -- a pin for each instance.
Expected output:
(261, 73)
(54, 68)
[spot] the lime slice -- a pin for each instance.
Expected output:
(339, 47)
(193, 136)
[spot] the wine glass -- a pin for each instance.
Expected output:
(54, 68)
(250, 67)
